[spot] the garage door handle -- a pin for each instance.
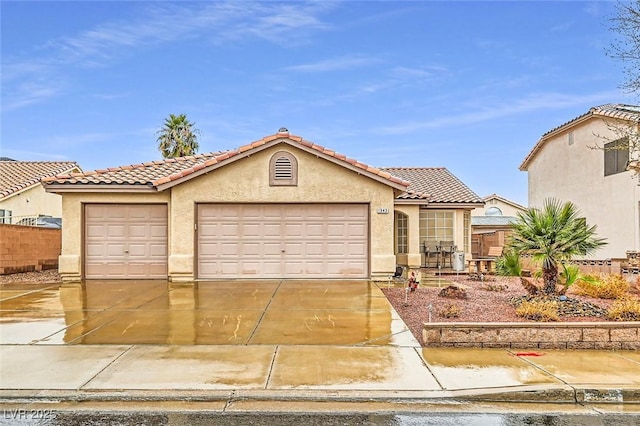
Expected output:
(126, 251)
(283, 251)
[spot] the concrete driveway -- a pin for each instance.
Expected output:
(270, 339)
(210, 313)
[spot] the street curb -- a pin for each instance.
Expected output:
(521, 394)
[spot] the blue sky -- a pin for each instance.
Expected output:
(470, 86)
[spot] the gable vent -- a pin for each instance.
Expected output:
(283, 169)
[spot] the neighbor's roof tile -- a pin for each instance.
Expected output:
(18, 175)
(440, 185)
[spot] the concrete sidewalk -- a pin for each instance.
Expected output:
(314, 373)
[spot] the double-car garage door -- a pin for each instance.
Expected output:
(283, 240)
(129, 241)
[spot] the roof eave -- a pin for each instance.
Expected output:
(57, 188)
(455, 205)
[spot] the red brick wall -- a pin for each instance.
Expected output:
(28, 248)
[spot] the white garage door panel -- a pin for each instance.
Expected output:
(125, 241)
(283, 241)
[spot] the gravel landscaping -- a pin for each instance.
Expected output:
(489, 301)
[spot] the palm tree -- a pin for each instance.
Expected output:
(553, 234)
(177, 137)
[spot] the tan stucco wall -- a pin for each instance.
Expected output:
(576, 173)
(33, 201)
(70, 262)
(247, 181)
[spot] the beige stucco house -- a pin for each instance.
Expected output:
(280, 207)
(22, 197)
(564, 165)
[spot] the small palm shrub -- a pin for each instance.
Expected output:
(608, 287)
(626, 309)
(509, 264)
(450, 311)
(538, 310)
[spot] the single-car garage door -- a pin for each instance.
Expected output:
(125, 241)
(283, 240)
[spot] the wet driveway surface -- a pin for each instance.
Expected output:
(255, 336)
(209, 313)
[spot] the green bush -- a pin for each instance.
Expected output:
(509, 264)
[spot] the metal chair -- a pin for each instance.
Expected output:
(446, 249)
(431, 249)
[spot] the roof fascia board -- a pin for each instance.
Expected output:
(400, 201)
(434, 205)
(57, 188)
(292, 143)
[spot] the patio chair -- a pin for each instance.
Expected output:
(446, 249)
(431, 250)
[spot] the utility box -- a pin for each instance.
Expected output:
(458, 261)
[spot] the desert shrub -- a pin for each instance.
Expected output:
(450, 311)
(453, 292)
(626, 309)
(608, 287)
(495, 287)
(509, 264)
(538, 310)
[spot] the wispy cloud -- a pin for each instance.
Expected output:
(335, 64)
(152, 25)
(533, 102)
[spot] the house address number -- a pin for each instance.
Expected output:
(382, 210)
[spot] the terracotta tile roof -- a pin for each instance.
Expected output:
(440, 185)
(145, 174)
(18, 175)
(165, 171)
(616, 111)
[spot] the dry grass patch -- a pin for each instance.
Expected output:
(627, 309)
(538, 310)
(450, 311)
(607, 287)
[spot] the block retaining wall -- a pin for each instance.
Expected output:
(566, 335)
(28, 248)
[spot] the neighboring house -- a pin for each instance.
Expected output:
(564, 165)
(22, 198)
(491, 224)
(280, 207)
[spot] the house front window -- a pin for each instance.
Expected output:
(467, 230)
(436, 226)
(401, 220)
(5, 216)
(616, 156)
